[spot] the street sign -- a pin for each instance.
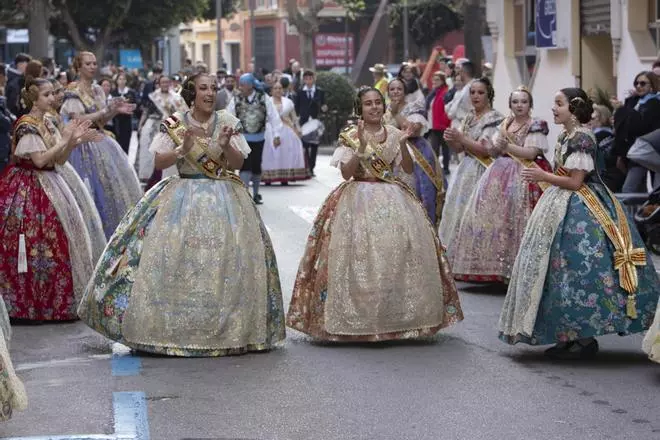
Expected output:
(546, 23)
(130, 58)
(330, 50)
(18, 36)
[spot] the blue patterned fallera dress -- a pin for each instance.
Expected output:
(103, 165)
(564, 286)
(429, 179)
(190, 271)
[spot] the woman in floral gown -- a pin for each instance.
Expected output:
(78, 188)
(408, 109)
(373, 268)
(45, 246)
(163, 103)
(582, 270)
(652, 339)
(474, 139)
(496, 215)
(102, 164)
(191, 270)
(286, 162)
(12, 390)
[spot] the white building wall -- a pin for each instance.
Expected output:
(629, 63)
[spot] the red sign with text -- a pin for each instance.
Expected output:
(330, 50)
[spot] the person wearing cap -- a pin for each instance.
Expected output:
(380, 78)
(253, 108)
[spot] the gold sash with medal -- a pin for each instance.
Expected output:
(373, 162)
(199, 156)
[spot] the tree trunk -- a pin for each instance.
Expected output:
(38, 28)
(473, 31)
(307, 60)
(99, 52)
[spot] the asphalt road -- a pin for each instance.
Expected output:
(464, 384)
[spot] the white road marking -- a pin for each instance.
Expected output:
(62, 362)
(307, 213)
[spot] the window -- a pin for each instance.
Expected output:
(267, 4)
(206, 54)
(654, 25)
(524, 13)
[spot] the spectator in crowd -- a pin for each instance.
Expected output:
(380, 81)
(15, 81)
(638, 115)
(438, 119)
(309, 104)
(601, 124)
(6, 122)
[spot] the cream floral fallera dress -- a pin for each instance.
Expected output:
(191, 270)
(466, 177)
(373, 268)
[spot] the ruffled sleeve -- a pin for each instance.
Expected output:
(580, 152)
(162, 143)
(342, 155)
(238, 140)
(537, 136)
(30, 143)
(72, 106)
(538, 141)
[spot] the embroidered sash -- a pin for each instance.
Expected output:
(199, 156)
(625, 256)
(527, 163)
(485, 161)
(435, 179)
(373, 163)
(168, 106)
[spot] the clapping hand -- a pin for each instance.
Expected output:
(360, 133)
(453, 136)
(533, 174)
(83, 132)
(408, 132)
(225, 135)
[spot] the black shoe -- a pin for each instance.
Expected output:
(446, 172)
(576, 350)
(285, 183)
(257, 200)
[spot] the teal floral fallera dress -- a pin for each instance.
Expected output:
(564, 286)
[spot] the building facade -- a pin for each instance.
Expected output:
(550, 44)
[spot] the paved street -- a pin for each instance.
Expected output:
(465, 384)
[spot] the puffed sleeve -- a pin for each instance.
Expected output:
(162, 143)
(30, 143)
(237, 140)
(342, 155)
(72, 106)
(581, 149)
(537, 136)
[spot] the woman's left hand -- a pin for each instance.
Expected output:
(225, 136)
(533, 174)
(125, 108)
(408, 132)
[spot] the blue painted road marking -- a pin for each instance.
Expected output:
(123, 362)
(131, 421)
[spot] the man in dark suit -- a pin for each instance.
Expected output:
(310, 103)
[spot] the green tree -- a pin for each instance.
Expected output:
(307, 23)
(429, 20)
(95, 24)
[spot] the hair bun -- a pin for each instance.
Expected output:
(582, 108)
